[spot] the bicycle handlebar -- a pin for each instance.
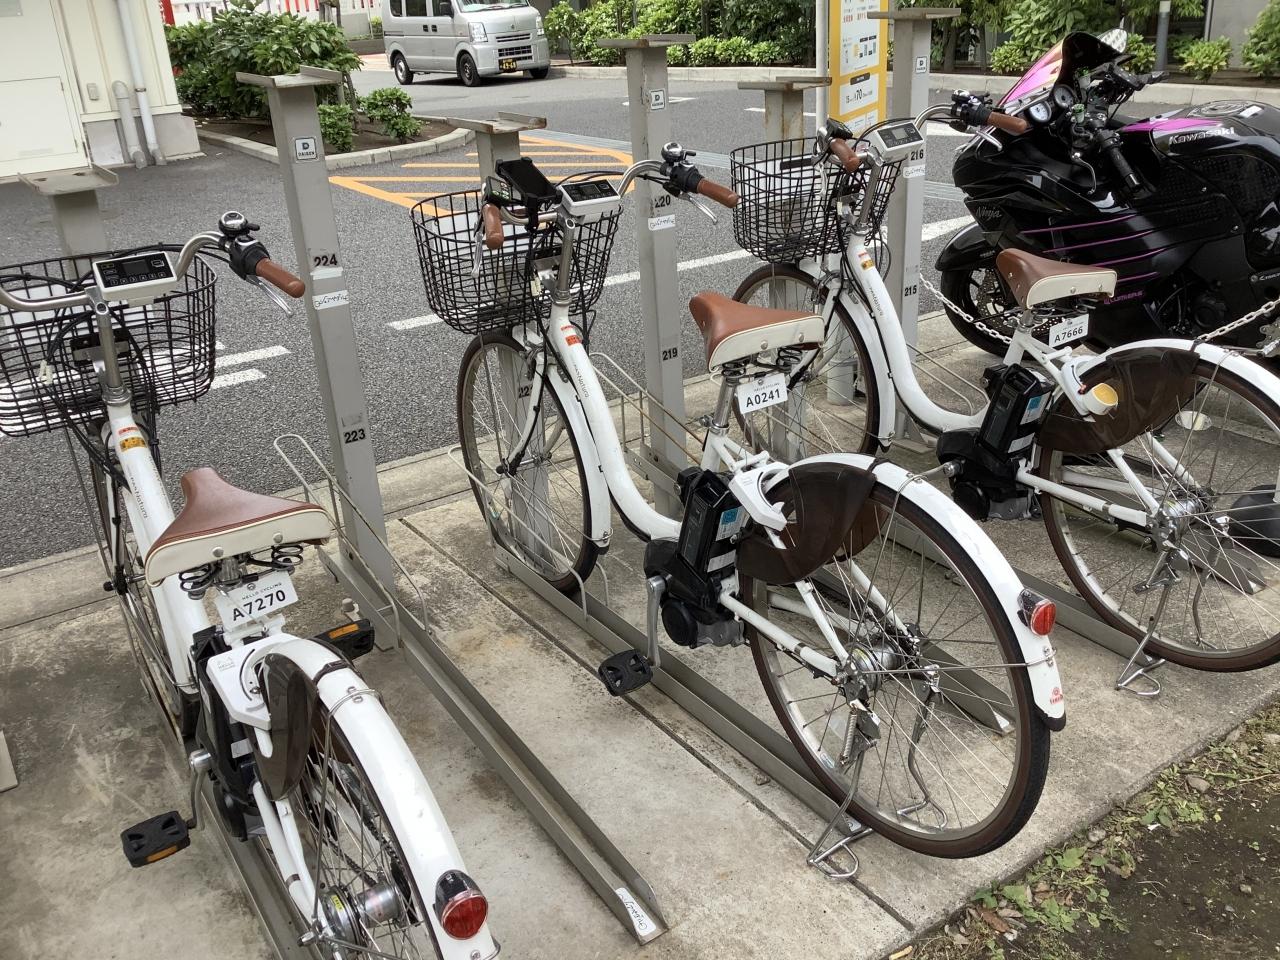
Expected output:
(848, 157)
(493, 232)
(1002, 121)
(717, 192)
(280, 278)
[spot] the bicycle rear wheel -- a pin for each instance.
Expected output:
(831, 406)
(367, 891)
(933, 726)
(1220, 610)
(541, 512)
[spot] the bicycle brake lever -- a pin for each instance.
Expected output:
(274, 295)
(702, 206)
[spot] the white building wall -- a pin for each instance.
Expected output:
(94, 56)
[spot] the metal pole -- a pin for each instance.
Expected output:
(911, 36)
(656, 242)
(1162, 34)
(320, 264)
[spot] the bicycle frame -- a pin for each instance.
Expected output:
(895, 378)
(589, 417)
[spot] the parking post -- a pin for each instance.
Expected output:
(664, 457)
(910, 95)
(74, 196)
(309, 199)
(784, 104)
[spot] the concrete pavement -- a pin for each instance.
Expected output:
(723, 848)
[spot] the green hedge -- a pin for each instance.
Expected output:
(1261, 52)
(207, 55)
(726, 31)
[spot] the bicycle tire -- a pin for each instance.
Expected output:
(1255, 656)
(1032, 757)
(868, 443)
(582, 552)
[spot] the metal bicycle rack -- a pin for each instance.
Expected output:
(363, 562)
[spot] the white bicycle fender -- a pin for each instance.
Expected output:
(1242, 366)
(597, 488)
(1042, 668)
(408, 803)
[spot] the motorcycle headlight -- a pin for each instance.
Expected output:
(538, 28)
(477, 32)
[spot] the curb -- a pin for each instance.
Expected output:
(358, 158)
(1177, 94)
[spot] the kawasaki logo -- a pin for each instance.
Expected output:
(1181, 138)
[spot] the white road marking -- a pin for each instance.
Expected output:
(250, 356)
(931, 231)
(412, 322)
(807, 113)
(237, 377)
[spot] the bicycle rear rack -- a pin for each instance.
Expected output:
(609, 873)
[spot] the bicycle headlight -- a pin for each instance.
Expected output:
(477, 32)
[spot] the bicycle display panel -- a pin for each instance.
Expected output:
(136, 277)
(589, 198)
(894, 140)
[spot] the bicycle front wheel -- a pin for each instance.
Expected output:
(541, 510)
(932, 724)
(1204, 574)
(832, 403)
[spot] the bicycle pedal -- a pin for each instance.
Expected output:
(624, 672)
(352, 640)
(155, 839)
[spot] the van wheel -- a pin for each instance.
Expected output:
(539, 73)
(467, 71)
(403, 74)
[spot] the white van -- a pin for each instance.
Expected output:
(472, 38)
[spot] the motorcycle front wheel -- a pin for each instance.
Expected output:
(980, 293)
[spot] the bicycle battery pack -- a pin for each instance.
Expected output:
(712, 516)
(1019, 397)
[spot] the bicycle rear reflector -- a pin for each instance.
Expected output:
(460, 905)
(1037, 612)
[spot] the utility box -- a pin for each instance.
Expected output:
(69, 94)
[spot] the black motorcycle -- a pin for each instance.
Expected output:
(1185, 206)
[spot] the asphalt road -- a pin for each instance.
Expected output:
(266, 383)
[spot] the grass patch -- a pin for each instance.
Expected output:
(1067, 891)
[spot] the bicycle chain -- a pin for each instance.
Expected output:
(982, 327)
(1271, 330)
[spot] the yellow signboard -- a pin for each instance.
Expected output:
(858, 58)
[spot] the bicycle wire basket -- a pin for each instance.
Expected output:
(47, 377)
(504, 293)
(787, 211)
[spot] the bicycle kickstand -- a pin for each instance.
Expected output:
(1130, 673)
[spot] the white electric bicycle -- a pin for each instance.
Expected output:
(899, 651)
(301, 756)
(1154, 465)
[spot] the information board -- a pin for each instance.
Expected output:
(858, 62)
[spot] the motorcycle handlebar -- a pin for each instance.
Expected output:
(1115, 155)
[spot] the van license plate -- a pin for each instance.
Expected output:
(507, 66)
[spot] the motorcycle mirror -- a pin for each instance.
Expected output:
(1116, 39)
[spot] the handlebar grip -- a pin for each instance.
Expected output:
(846, 155)
(279, 277)
(717, 192)
(493, 232)
(1120, 164)
(1002, 121)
